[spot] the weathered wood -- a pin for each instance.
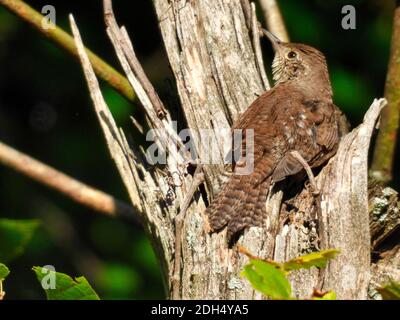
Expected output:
(384, 211)
(386, 269)
(342, 221)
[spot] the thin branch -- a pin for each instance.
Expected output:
(65, 184)
(115, 140)
(167, 136)
(385, 147)
(198, 179)
(273, 18)
(257, 47)
(133, 61)
(137, 125)
(146, 189)
(316, 194)
(66, 42)
(163, 119)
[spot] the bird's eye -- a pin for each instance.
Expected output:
(292, 55)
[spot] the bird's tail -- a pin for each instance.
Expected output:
(240, 204)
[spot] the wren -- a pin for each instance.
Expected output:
(297, 114)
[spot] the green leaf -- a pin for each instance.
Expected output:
(330, 295)
(315, 259)
(59, 286)
(14, 237)
(268, 279)
(391, 291)
(4, 271)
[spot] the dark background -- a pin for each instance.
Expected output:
(45, 111)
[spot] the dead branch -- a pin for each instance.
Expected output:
(73, 189)
(273, 18)
(133, 60)
(115, 141)
(154, 108)
(156, 190)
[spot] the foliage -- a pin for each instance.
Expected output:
(65, 288)
(316, 259)
(4, 272)
(14, 237)
(270, 277)
(390, 291)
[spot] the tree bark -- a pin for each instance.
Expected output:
(384, 270)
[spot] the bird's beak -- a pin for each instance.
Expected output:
(276, 42)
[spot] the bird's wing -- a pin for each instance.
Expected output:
(316, 135)
(284, 120)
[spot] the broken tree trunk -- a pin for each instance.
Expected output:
(217, 74)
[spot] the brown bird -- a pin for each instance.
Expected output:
(297, 114)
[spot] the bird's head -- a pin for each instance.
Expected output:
(296, 61)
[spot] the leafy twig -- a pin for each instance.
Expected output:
(270, 277)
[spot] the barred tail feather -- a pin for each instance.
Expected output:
(239, 205)
(222, 209)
